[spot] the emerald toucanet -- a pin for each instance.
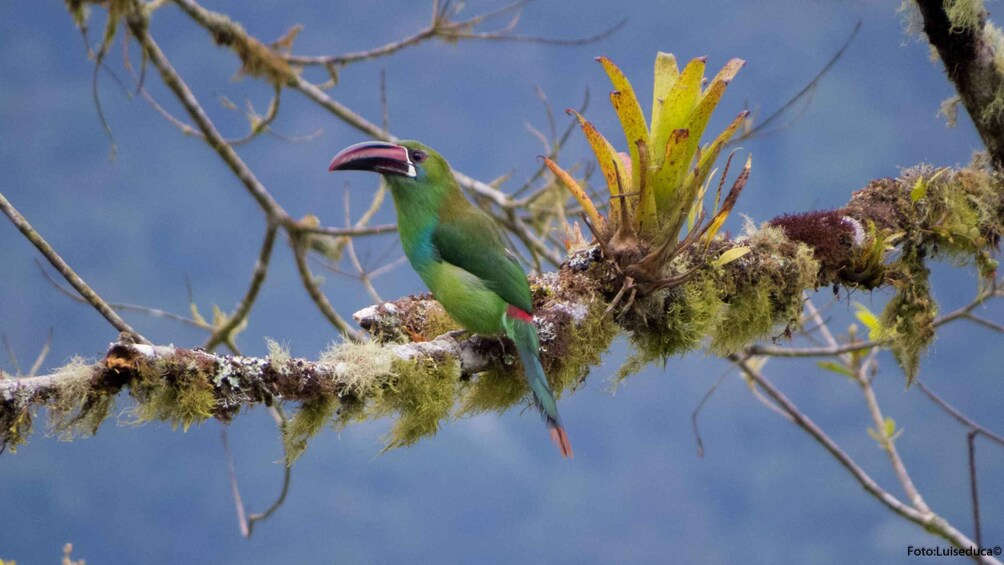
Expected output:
(459, 253)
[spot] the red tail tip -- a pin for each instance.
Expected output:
(560, 439)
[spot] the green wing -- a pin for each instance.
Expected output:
(472, 242)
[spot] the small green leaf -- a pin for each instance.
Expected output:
(836, 367)
(869, 319)
(919, 189)
(730, 255)
(889, 427)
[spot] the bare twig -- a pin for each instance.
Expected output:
(71, 277)
(352, 231)
(310, 284)
(973, 491)
(806, 91)
(247, 521)
(121, 307)
(888, 444)
(834, 348)
(927, 520)
(42, 354)
(959, 416)
(10, 354)
(257, 279)
(444, 28)
(700, 405)
(212, 136)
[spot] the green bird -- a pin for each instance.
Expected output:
(459, 253)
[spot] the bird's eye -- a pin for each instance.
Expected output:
(417, 155)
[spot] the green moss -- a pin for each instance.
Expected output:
(361, 369)
(185, 400)
(436, 322)
(278, 353)
(75, 408)
(16, 423)
(749, 316)
(962, 210)
(690, 311)
(908, 318)
(494, 390)
(768, 285)
(963, 14)
(581, 346)
(421, 393)
(308, 420)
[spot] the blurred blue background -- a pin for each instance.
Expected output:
(487, 489)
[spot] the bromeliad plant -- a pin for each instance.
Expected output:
(660, 184)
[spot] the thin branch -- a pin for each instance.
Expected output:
(442, 27)
(64, 269)
(352, 231)
(888, 444)
(10, 354)
(122, 307)
(246, 522)
(697, 411)
(257, 279)
(212, 136)
(929, 521)
(834, 348)
(959, 416)
(759, 129)
(504, 35)
(973, 491)
(321, 301)
(42, 354)
(985, 323)
(351, 249)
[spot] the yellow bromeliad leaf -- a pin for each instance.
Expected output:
(607, 158)
(647, 220)
(628, 111)
(576, 190)
(730, 255)
(710, 152)
(678, 103)
(635, 130)
(675, 161)
(666, 73)
(698, 118)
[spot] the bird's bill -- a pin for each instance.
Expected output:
(375, 156)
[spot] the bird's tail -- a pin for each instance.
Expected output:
(524, 334)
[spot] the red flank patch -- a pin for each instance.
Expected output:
(519, 314)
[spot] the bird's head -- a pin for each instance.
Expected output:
(402, 164)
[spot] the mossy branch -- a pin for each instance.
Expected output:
(416, 369)
(970, 46)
